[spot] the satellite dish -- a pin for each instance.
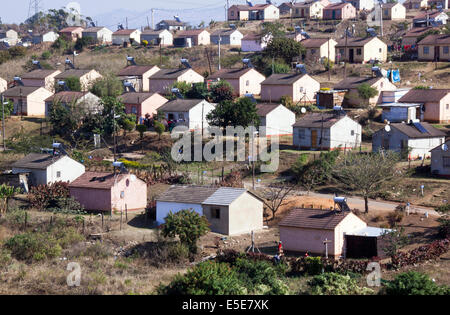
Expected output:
(444, 147)
(387, 128)
(133, 178)
(303, 110)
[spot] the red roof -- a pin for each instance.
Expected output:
(97, 180)
(124, 32)
(70, 29)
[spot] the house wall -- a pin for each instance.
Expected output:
(92, 199)
(195, 115)
(48, 82)
(120, 39)
(164, 208)
(250, 82)
(362, 4)
(37, 177)
(304, 141)
(349, 224)
(134, 196)
(273, 93)
(438, 112)
(271, 13)
(252, 45)
(74, 35)
(104, 36)
(35, 102)
(88, 79)
(399, 114)
(3, 85)
(149, 106)
(437, 161)
(346, 133)
(347, 12)
(397, 12)
(234, 14)
(218, 225)
(165, 38)
(322, 51)
(234, 39)
(69, 170)
(307, 240)
(279, 122)
(304, 89)
(245, 215)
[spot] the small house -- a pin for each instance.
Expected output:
(244, 80)
(41, 77)
(28, 100)
(327, 131)
(440, 160)
(142, 104)
(276, 119)
(434, 48)
(262, 12)
(401, 112)
(351, 84)
(300, 87)
(255, 42)
(187, 112)
(415, 4)
(48, 37)
(48, 168)
(11, 36)
(163, 80)
(139, 76)
(362, 5)
(319, 48)
(230, 37)
(339, 11)
(71, 33)
(189, 38)
(229, 211)
(308, 10)
(161, 37)
(171, 25)
(410, 38)
(393, 11)
(435, 103)
(340, 234)
(122, 37)
(413, 139)
(430, 18)
(109, 192)
(87, 77)
(89, 102)
(361, 50)
(100, 35)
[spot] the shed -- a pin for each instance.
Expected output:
(243, 80)
(163, 80)
(276, 119)
(187, 112)
(440, 160)
(138, 75)
(142, 104)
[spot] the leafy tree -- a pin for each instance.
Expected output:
(7, 192)
(366, 92)
(188, 225)
(222, 91)
(66, 119)
(111, 106)
(17, 51)
(242, 112)
(83, 42)
(277, 67)
(109, 85)
(394, 241)
(141, 129)
(275, 29)
(73, 84)
(60, 44)
(182, 86)
(159, 128)
(414, 283)
(366, 172)
(198, 91)
(8, 108)
(336, 284)
(285, 48)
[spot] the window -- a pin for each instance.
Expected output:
(386, 12)
(380, 50)
(358, 51)
(134, 110)
(58, 174)
(247, 83)
(301, 134)
(352, 132)
(447, 106)
(181, 116)
(446, 161)
(313, 51)
(215, 213)
(446, 49)
(426, 50)
(232, 13)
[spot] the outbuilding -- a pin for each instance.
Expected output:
(121, 37)
(243, 80)
(161, 37)
(276, 119)
(98, 34)
(142, 104)
(138, 76)
(163, 80)
(28, 100)
(440, 160)
(187, 112)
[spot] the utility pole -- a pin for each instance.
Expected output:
(381, 19)
(329, 61)
(3, 123)
(126, 19)
(148, 23)
(345, 53)
(220, 40)
(153, 19)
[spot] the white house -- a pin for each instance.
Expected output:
(414, 139)
(161, 37)
(99, 34)
(47, 168)
(126, 36)
(327, 131)
(48, 37)
(230, 37)
(360, 5)
(276, 118)
(187, 112)
(230, 211)
(440, 160)
(3, 85)
(10, 36)
(254, 42)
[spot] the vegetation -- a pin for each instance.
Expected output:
(366, 92)
(414, 283)
(241, 112)
(107, 86)
(6, 192)
(336, 284)
(284, 48)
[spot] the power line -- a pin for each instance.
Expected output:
(34, 7)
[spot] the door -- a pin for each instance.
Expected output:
(333, 15)
(351, 58)
(313, 139)
(361, 246)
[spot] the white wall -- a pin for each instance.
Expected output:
(341, 134)
(163, 208)
(195, 115)
(279, 121)
(69, 170)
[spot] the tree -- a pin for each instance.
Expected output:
(277, 67)
(7, 192)
(414, 283)
(159, 128)
(276, 196)
(242, 112)
(188, 225)
(394, 241)
(366, 172)
(366, 92)
(73, 84)
(198, 91)
(66, 119)
(141, 129)
(222, 91)
(109, 85)
(274, 29)
(285, 48)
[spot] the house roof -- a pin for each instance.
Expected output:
(432, 14)
(318, 120)
(264, 109)
(77, 73)
(180, 105)
(97, 180)
(334, 6)
(124, 32)
(253, 8)
(135, 70)
(313, 42)
(313, 219)
(38, 74)
(229, 73)
(135, 98)
(424, 96)
(153, 32)
(190, 33)
(435, 39)
(354, 41)
(412, 132)
(355, 82)
(172, 23)
(224, 196)
(70, 29)
(19, 91)
(224, 32)
(93, 29)
(169, 73)
(187, 194)
(66, 96)
(283, 78)
(37, 161)
(389, 5)
(417, 31)
(252, 36)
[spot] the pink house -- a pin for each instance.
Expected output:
(109, 192)
(339, 11)
(141, 104)
(243, 80)
(72, 33)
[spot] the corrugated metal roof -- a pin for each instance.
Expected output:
(369, 231)
(313, 219)
(187, 194)
(37, 161)
(224, 196)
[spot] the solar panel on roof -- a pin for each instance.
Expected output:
(420, 128)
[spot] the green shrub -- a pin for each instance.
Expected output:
(46, 55)
(336, 284)
(313, 266)
(16, 217)
(5, 257)
(33, 246)
(414, 283)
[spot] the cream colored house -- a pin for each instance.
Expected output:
(360, 5)
(86, 77)
(10, 36)
(99, 34)
(300, 87)
(308, 10)
(339, 11)
(190, 38)
(435, 103)
(28, 100)
(190, 113)
(162, 37)
(243, 80)
(139, 76)
(163, 80)
(393, 11)
(318, 48)
(126, 36)
(89, 102)
(230, 211)
(40, 77)
(434, 48)
(256, 12)
(71, 33)
(142, 104)
(361, 50)
(276, 119)
(351, 85)
(440, 160)
(3, 85)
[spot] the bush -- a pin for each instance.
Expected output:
(420, 254)
(47, 196)
(313, 266)
(46, 55)
(336, 284)
(33, 246)
(394, 218)
(414, 283)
